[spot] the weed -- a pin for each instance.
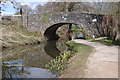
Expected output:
(45, 17)
(59, 63)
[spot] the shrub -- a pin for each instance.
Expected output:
(59, 63)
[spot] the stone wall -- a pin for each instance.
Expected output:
(12, 17)
(40, 22)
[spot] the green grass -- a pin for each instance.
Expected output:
(78, 62)
(81, 49)
(107, 42)
(45, 17)
(60, 63)
(77, 46)
(88, 38)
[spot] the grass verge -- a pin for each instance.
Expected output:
(14, 34)
(64, 63)
(107, 42)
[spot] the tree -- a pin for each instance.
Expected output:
(39, 9)
(105, 8)
(15, 5)
(53, 7)
(26, 9)
(109, 22)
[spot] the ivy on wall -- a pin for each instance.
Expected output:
(45, 17)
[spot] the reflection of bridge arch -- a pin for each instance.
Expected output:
(51, 49)
(50, 32)
(54, 47)
(43, 24)
(61, 45)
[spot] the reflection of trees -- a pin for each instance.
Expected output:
(33, 56)
(14, 71)
(61, 45)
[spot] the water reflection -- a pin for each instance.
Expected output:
(51, 49)
(30, 61)
(26, 72)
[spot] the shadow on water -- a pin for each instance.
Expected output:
(51, 48)
(29, 61)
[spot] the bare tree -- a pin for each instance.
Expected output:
(26, 9)
(15, 5)
(53, 7)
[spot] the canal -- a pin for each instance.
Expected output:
(29, 61)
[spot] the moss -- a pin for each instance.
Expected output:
(45, 17)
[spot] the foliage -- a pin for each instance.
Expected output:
(45, 17)
(78, 62)
(77, 29)
(76, 46)
(108, 42)
(117, 42)
(64, 7)
(59, 63)
(26, 9)
(88, 37)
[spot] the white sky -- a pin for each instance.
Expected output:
(33, 3)
(68, 0)
(25, 1)
(6, 13)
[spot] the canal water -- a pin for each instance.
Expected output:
(29, 61)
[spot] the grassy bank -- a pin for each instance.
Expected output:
(71, 60)
(14, 34)
(77, 63)
(107, 42)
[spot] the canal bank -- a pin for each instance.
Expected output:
(14, 34)
(25, 51)
(27, 61)
(103, 62)
(23, 61)
(77, 63)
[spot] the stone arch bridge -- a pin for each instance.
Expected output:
(47, 23)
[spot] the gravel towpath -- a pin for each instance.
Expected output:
(103, 63)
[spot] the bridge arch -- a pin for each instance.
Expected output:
(50, 32)
(43, 24)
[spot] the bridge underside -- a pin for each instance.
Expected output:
(50, 33)
(41, 23)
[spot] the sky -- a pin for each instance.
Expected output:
(8, 8)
